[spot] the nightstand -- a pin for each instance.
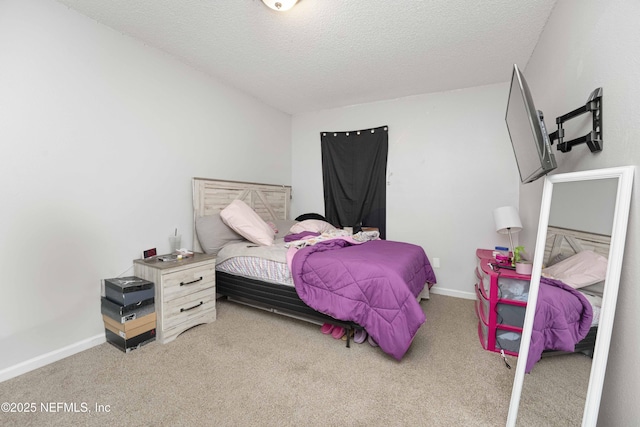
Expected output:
(501, 304)
(185, 292)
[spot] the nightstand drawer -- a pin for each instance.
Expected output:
(188, 307)
(184, 282)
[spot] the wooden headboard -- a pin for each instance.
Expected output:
(562, 241)
(210, 196)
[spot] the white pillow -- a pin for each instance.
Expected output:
(582, 269)
(314, 225)
(283, 226)
(246, 222)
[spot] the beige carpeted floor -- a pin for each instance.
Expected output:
(256, 368)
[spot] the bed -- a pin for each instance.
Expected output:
(260, 276)
(570, 295)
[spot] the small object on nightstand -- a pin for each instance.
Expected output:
(502, 256)
(169, 258)
(149, 253)
(180, 255)
(524, 267)
(501, 250)
(174, 242)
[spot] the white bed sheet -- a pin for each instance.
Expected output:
(596, 304)
(266, 263)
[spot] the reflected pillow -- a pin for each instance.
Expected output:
(596, 289)
(213, 234)
(582, 269)
(313, 225)
(246, 222)
(283, 226)
(556, 259)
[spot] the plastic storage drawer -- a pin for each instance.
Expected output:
(483, 280)
(508, 288)
(514, 289)
(512, 315)
(483, 305)
(508, 340)
(483, 334)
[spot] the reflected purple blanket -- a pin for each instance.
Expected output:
(374, 284)
(563, 318)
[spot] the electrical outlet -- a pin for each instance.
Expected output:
(435, 263)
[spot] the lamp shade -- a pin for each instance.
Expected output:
(507, 220)
(280, 5)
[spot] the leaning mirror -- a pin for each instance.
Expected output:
(583, 225)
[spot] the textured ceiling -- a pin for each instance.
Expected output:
(331, 53)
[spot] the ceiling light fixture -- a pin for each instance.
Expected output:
(280, 5)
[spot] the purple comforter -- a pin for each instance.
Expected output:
(374, 284)
(563, 318)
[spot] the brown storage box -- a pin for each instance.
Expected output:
(131, 328)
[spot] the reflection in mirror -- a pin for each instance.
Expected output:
(580, 219)
(580, 243)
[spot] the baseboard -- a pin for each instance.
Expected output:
(52, 356)
(452, 293)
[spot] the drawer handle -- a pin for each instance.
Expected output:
(191, 308)
(192, 282)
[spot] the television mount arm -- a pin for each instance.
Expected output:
(594, 138)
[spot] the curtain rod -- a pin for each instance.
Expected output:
(357, 132)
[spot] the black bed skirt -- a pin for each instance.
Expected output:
(585, 346)
(272, 296)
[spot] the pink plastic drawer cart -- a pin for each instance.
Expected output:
(501, 302)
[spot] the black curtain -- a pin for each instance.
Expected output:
(354, 170)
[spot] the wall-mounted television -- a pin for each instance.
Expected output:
(529, 138)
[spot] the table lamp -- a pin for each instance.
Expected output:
(507, 221)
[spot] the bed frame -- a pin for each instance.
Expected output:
(566, 242)
(563, 241)
(270, 202)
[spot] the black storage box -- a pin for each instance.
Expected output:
(122, 313)
(133, 343)
(128, 290)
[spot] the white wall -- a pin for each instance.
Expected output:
(580, 196)
(585, 45)
(100, 137)
(450, 164)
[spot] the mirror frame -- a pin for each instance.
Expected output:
(624, 174)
